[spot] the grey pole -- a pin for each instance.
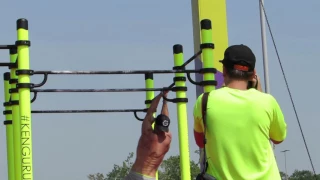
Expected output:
(264, 46)
(285, 162)
(264, 50)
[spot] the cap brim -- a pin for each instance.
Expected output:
(162, 128)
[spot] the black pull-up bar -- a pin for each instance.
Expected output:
(115, 72)
(89, 111)
(99, 90)
(7, 46)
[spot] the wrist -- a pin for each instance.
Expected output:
(143, 170)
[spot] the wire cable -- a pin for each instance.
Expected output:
(285, 79)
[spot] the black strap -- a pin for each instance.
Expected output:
(204, 115)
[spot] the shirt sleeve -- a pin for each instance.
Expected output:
(197, 115)
(278, 128)
(198, 128)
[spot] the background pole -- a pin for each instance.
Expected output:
(182, 116)
(15, 115)
(9, 127)
(149, 83)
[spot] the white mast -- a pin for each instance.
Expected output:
(264, 49)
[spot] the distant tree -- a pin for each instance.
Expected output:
(303, 175)
(97, 176)
(283, 175)
(169, 169)
(117, 173)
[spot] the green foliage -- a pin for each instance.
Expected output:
(169, 169)
(303, 175)
(118, 172)
(97, 176)
(283, 175)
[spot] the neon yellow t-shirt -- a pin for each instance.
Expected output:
(240, 125)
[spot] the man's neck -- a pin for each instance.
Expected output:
(236, 84)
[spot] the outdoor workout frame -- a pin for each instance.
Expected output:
(18, 90)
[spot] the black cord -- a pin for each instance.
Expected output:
(285, 79)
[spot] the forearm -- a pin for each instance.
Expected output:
(164, 109)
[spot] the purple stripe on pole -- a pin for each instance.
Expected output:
(199, 77)
(219, 78)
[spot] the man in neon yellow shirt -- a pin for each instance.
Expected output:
(240, 123)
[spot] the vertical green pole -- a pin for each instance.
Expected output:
(149, 83)
(15, 114)
(207, 52)
(182, 115)
(24, 102)
(9, 127)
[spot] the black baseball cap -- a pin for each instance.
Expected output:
(239, 57)
(162, 122)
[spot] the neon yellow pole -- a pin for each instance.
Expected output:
(207, 52)
(24, 103)
(9, 127)
(149, 83)
(15, 115)
(182, 115)
(216, 12)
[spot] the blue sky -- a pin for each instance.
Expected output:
(116, 35)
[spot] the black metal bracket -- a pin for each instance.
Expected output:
(206, 45)
(7, 122)
(23, 43)
(179, 68)
(24, 72)
(34, 96)
(136, 115)
(206, 82)
(179, 79)
(13, 81)
(175, 100)
(147, 101)
(177, 88)
(7, 112)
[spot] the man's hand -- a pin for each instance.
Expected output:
(148, 120)
(256, 82)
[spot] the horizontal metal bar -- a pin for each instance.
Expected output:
(7, 46)
(118, 72)
(6, 64)
(99, 90)
(89, 111)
